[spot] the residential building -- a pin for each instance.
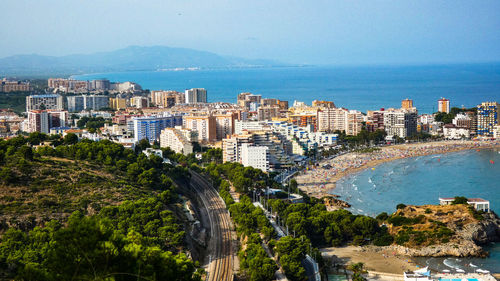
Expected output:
(402, 123)
(231, 147)
(245, 99)
(167, 98)
(99, 85)
(496, 132)
(139, 102)
(304, 119)
(196, 95)
(255, 156)
(43, 120)
(332, 119)
(407, 104)
(14, 86)
(117, 103)
(42, 102)
(150, 127)
(75, 103)
(268, 112)
(450, 131)
(444, 105)
(67, 85)
(462, 120)
(224, 124)
(95, 102)
(176, 140)
(87, 102)
(376, 120)
(204, 125)
(354, 122)
(488, 116)
(283, 104)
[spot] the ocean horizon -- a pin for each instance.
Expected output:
(361, 88)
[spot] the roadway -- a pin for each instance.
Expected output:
(221, 233)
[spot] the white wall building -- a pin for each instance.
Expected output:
(176, 140)
(255, 156)
(196, 95)
(451, 131)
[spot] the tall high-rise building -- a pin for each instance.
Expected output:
(42, 102)
(150, 127)
(402, 123)
(167, 98)
(196, 95)
(75, 103)
(95, 102)
(407, 104)
(204, 125)
(43, 120)
(488, 116)
(224, 124)
(444, 105)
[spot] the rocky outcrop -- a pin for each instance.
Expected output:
(467, 242)
(462, 249)
(484, 231)
(333, 203)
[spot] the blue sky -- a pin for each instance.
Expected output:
(316, 32)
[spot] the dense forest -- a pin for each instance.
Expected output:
(88, 211)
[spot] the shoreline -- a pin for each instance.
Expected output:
(320, 182)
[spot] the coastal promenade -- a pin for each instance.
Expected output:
(317, 181)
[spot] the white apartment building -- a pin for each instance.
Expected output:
(332, 119)
(255, 156)
(402, 123)
(453, 132)
(175, 140)
(42, 102)
(139, 102)
(196, 95)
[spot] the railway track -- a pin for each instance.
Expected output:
(221, 262)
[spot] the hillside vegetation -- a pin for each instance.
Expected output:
(88, 211)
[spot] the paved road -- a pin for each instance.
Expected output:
(220, 244)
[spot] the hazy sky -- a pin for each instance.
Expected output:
(297, 31)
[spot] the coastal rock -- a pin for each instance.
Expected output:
(461, 249)
(332, 203)
(484, 231)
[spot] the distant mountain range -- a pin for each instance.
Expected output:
(133, 58)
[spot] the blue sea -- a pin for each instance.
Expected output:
(422, 180)
(360, 88)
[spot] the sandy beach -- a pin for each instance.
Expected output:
(317, 181)
(374, 259)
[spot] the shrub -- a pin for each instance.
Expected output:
(400, 206)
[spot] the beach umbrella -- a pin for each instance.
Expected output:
(446, 271)
(460, 270)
